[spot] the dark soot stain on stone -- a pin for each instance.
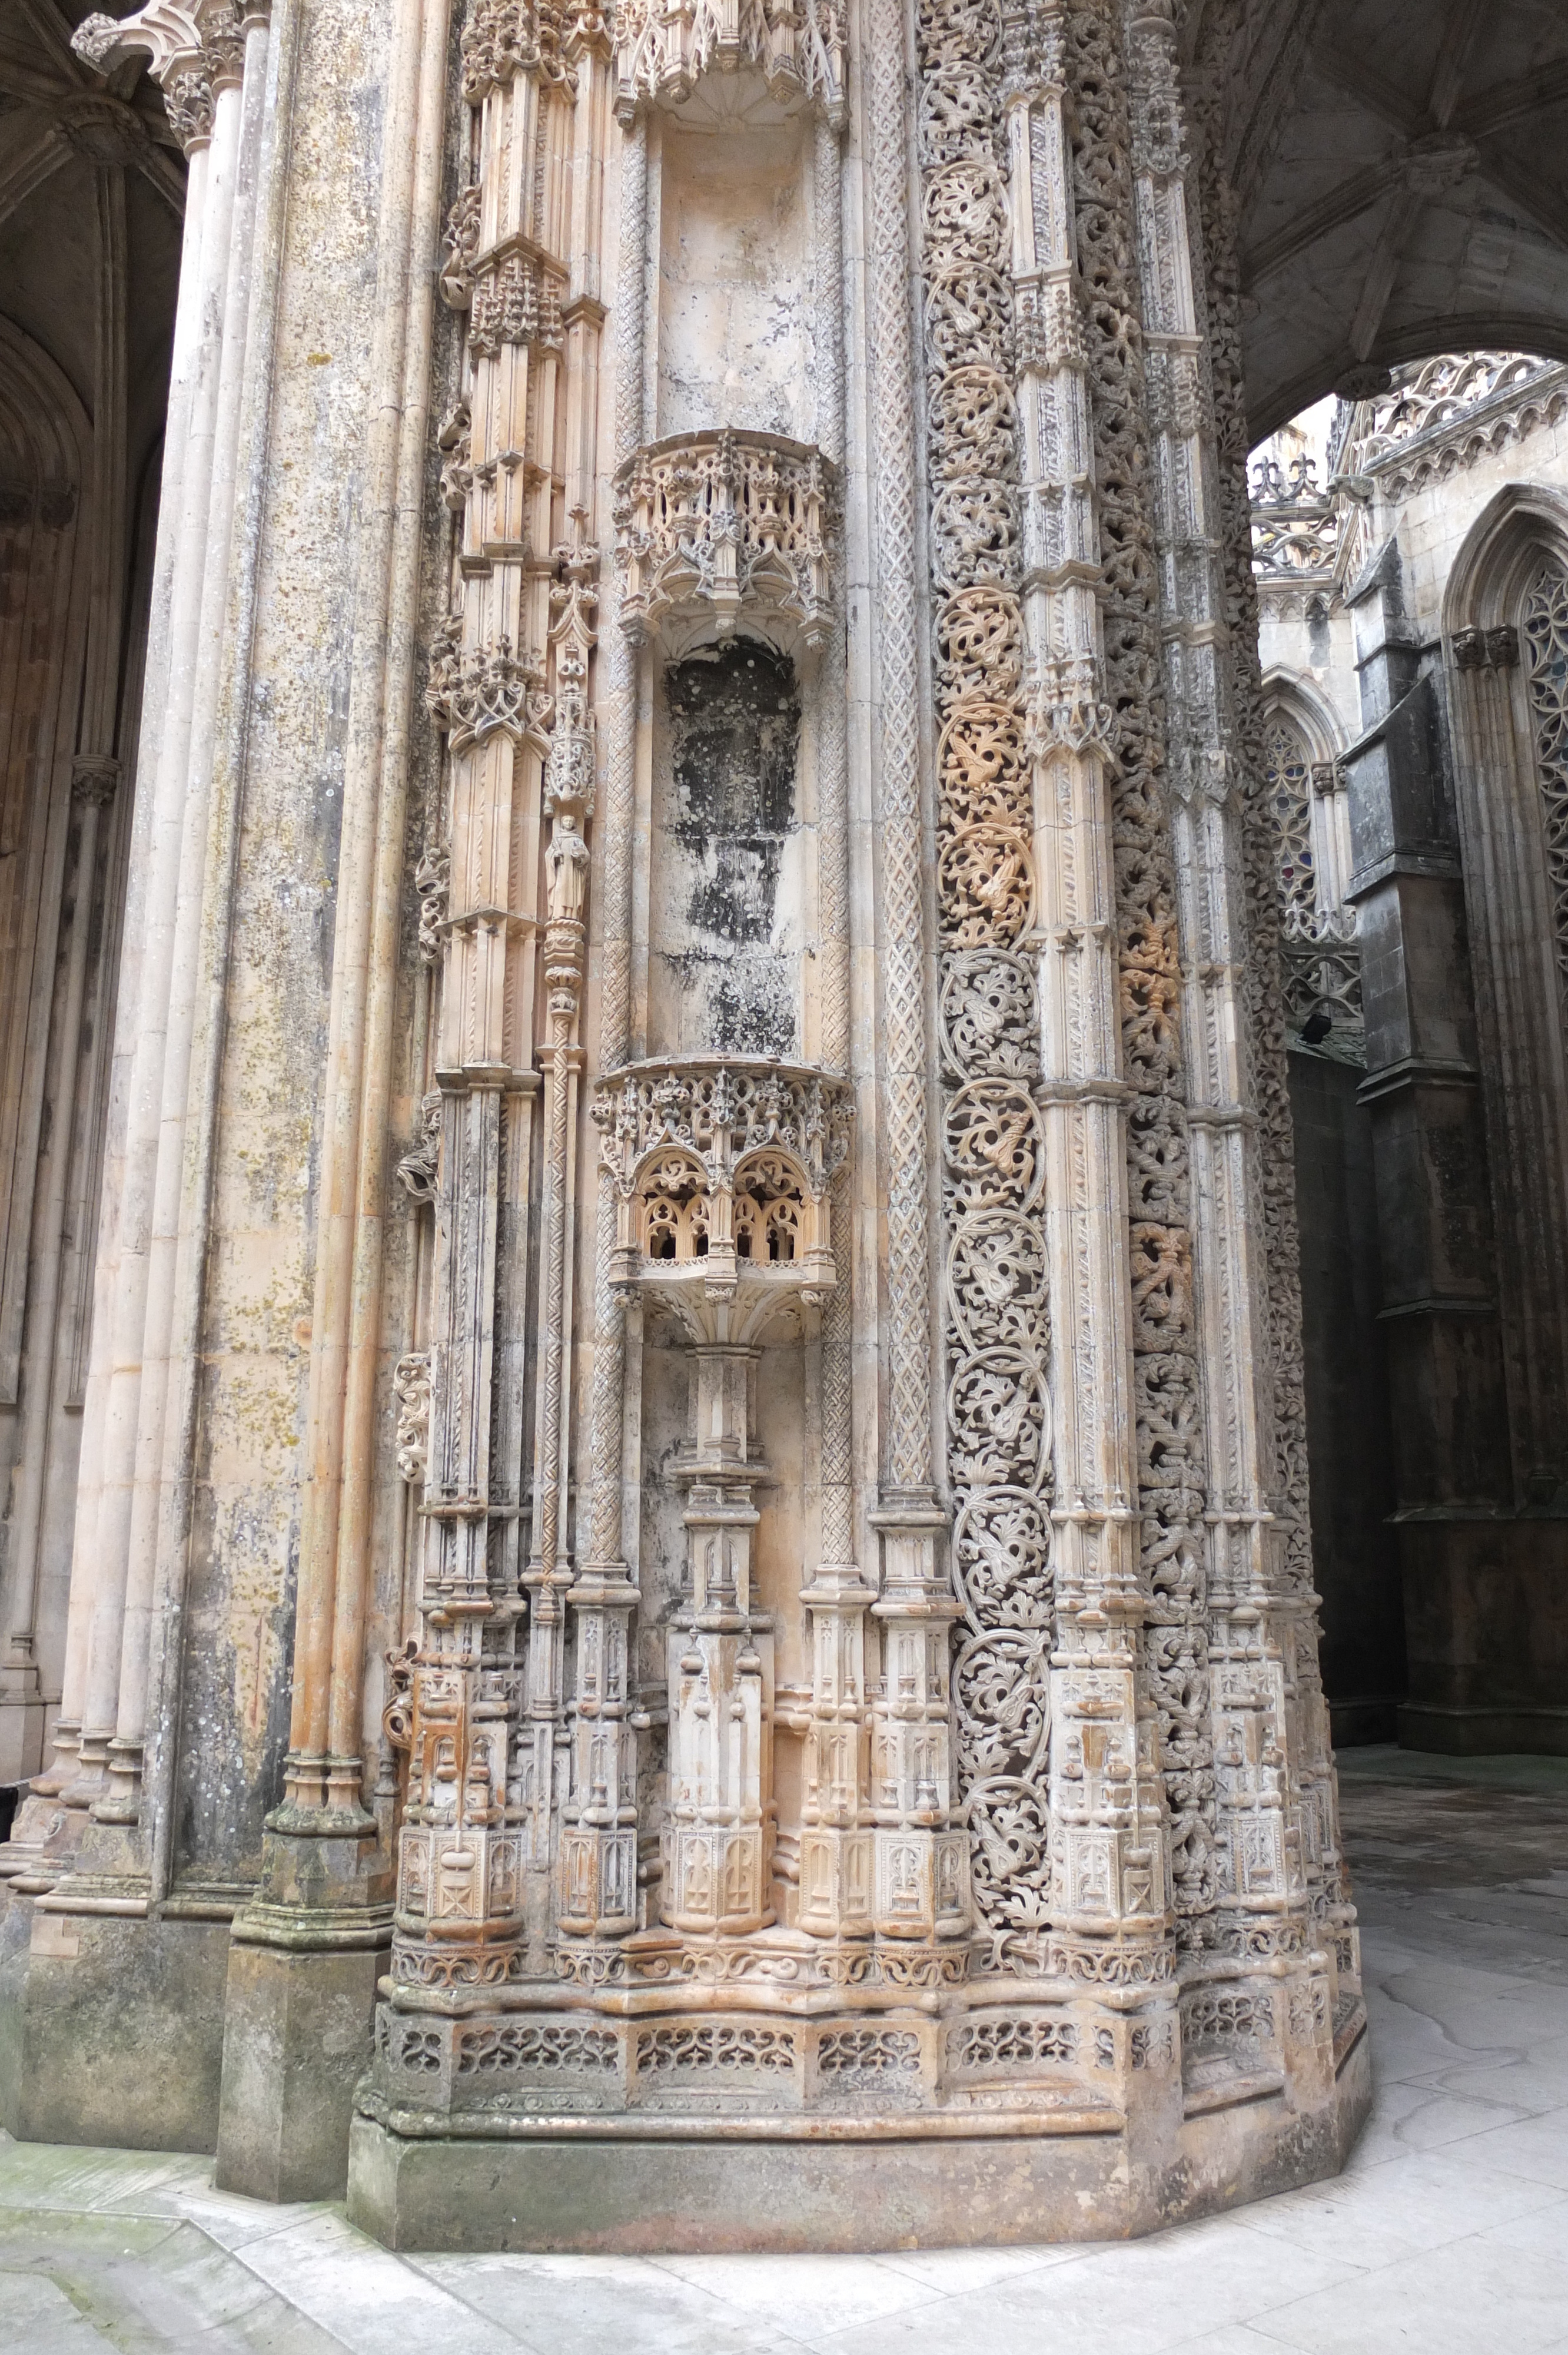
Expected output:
(735, 729)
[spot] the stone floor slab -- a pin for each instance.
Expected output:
(1471, 2298)
(604, 2306)
(1449, 2232)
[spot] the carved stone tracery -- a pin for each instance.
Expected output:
(722, 525)
(1544, 630)
(1054, 1770)
(799, 46)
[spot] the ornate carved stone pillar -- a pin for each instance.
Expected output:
(931, 1866)
(510, 686)
(1280, 1887)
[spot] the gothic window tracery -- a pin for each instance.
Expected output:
(1319, 954)
(1290, 800)
(1546, 641)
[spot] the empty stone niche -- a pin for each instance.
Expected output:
(733, 341)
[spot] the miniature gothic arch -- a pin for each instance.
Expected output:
(723, 1172)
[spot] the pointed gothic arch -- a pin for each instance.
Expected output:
(1505, 629)
(1303, 742)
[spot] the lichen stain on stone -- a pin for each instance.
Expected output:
(735, 726)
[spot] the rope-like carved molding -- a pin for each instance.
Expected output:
(710, 526)
(798, 46)
(996, 1320)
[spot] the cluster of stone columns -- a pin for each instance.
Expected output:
(112, 1741)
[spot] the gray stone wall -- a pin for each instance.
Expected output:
(1355, 1553)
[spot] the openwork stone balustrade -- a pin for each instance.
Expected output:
(717, 525)
(662, 50)
(722, 1171)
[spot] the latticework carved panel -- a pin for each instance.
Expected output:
(1320, 964)
(1546, 641)
(996, 1310)
(1165, 1368)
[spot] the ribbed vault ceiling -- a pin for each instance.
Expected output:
(1403, 169)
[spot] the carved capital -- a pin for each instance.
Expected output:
(94, 778)
(1486, 649)
(193, 48)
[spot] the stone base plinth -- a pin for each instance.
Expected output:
(296, 2029)
(112, 2028)
(969, 2122)
(567, 2185)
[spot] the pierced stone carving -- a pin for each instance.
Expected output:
(665, 2052)
(1014, 2044)
(1545, 634)
(995, 1296)
(1319, 956)
(724, 1163)
(1441, 393)
(799, 46)
(710, 526)
(522, 2047)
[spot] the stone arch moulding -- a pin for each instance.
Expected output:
(1466, 332)
(1302, 700)
(1517, 953)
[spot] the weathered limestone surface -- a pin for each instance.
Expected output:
(694, 1491)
